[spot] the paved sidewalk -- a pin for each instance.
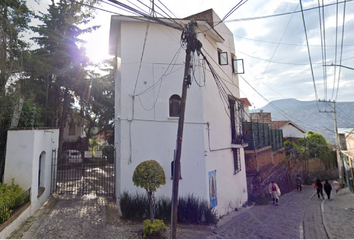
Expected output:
(338, 214)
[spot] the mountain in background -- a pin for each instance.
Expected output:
(312, 115)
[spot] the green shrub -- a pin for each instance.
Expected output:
(191, 209)
(153, 230)
(134, 207)
(163, 208)
(11, 197)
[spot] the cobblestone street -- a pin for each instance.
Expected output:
(299, 215)
(269, 221)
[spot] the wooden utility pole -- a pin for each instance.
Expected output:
(338, 148)
(189, 37)
(339, 160)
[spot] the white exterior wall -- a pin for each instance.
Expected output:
(24, 149)
(231, 188)
(144, 130)
(291, 131)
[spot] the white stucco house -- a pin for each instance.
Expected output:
(290, 129)
(148, 86)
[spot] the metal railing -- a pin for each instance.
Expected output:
(9, 209)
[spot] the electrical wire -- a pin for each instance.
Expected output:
(283, 14)
(341, 51)
(275, 50)
(129, 8)
(323, 47)
(151, 9)
(141, 58)
(308, 50)
(335, 51)
(167, 9)
(174, 59)
(287, 44)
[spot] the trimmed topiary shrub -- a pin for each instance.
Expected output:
(150, 176)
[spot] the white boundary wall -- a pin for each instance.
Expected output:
(27, 152)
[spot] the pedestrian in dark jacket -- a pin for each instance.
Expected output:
(328, 188)
(298, 181)
(319, 186)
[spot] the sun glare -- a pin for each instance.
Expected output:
(97, 49)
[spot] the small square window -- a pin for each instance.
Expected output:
(237, 66)
(222, 58)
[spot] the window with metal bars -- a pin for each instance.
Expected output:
(237, 160)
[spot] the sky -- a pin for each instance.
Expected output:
(274, 49)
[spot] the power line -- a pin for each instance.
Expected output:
(141, 58)
(308, 50)
(323, 47)
(179, 26)
(267, 60)
(287, 44)
(173, 62)
(341, 50)
(275, 50)
(283, 14)
(167, 9)
(335, 51)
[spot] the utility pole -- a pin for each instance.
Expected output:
(188, 37)
(339, 160)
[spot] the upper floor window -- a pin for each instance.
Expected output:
(223, 60)
(237, 65)
(175, 105)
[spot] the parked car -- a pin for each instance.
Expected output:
(73, 156)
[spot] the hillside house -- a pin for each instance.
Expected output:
(148, 83)
(346, 140)
(289, 128)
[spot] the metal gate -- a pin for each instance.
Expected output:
(72, 174)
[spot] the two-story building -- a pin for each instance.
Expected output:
(149, 74)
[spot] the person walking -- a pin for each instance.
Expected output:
(327, 188)
(298, 182)
(274, 191)
(319, 186)
(336, 185)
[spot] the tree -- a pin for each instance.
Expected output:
(62, 56)
(319, 147)
(150, 176)
(97, 104)
(14, 20)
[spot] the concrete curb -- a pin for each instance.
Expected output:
(324, 221)
(301, 228)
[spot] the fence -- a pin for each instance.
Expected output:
(259, 135)
(10, 209)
